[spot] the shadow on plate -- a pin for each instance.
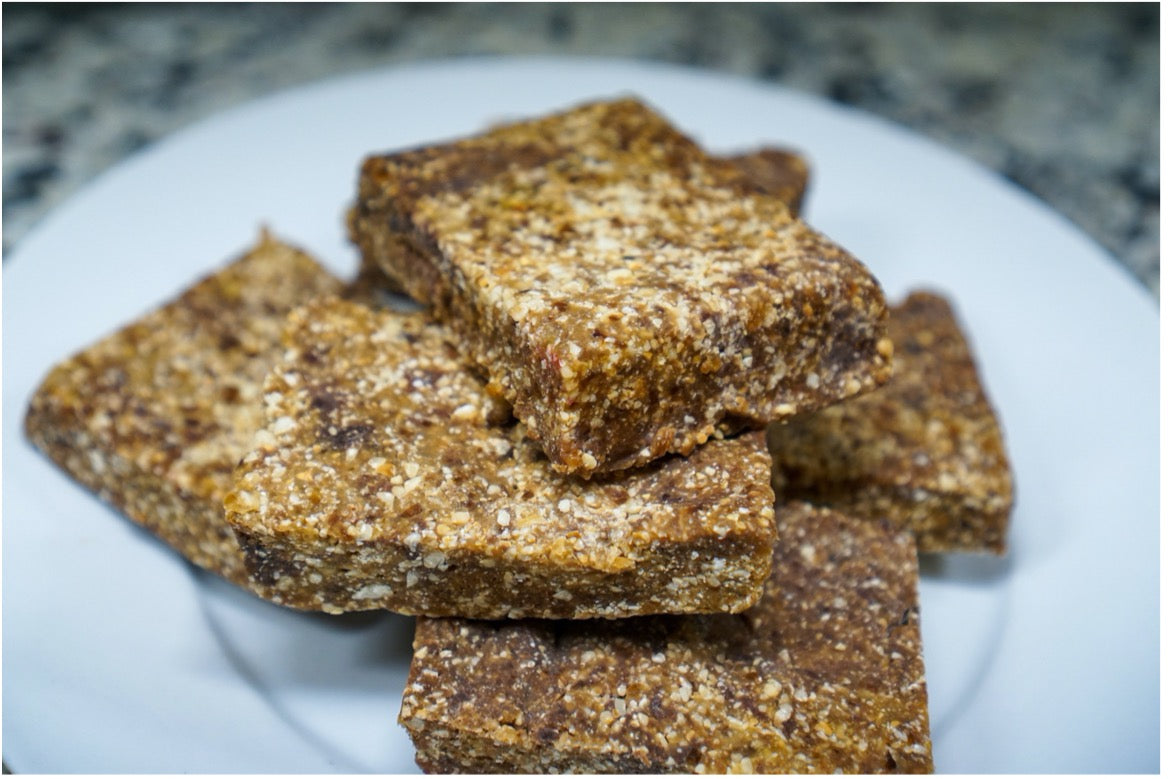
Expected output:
(981, 570)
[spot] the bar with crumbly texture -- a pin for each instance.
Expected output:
(782, 173)
(630, 295)
(386, 476)
(924, 450)
(155, 417)
(824, 674)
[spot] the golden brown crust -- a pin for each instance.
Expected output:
(630, 295)
(155, 417)
(387, 477)
(781, 173)
(924, 451)
(824, 674)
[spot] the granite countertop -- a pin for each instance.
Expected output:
(1061, 99)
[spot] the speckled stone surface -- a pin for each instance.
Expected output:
(1062, 99)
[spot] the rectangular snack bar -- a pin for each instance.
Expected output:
(630, 295)
(823, 675)
(386, 476)
(155, 417)
(925, 450)
(781, 173)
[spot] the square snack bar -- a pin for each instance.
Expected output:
(388, 477)
(823, 675)
(630, 295)
(924, 451)
(155, 417)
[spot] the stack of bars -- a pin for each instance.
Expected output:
(560, 463)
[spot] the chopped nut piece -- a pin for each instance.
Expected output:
(924, 451)
(763, 691)
(155, 417)
(612, 280)
(483, 526)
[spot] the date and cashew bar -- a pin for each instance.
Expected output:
(780, 172)
(386, 476)
(629, 295)
(155, 417)
(823, 675)
(924, 451)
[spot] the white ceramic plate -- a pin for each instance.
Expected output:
(120, 658)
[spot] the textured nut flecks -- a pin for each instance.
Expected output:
(781, 173)
(924, 451)
(629, 294)
(823, 675)
(155, 417)
(401, 483)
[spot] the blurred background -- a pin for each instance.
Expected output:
(1062, 99)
